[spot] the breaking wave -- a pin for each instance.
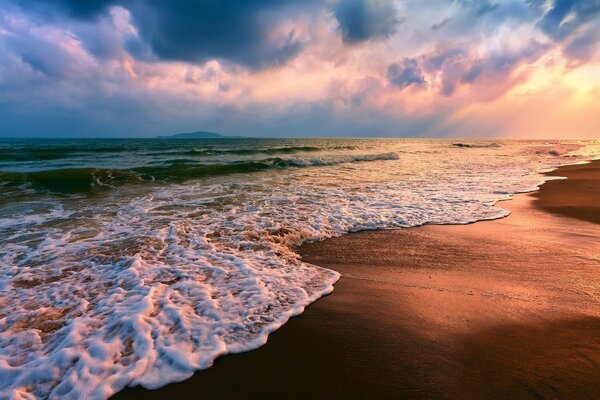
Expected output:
(477, 145)
(69, 151)
(76, 180)
(271, 150)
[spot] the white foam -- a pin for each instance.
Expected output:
(145, 288)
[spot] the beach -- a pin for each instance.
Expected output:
(495, 309)
(353, 199)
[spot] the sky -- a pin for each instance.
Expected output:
(301, 68)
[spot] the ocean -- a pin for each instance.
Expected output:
(140, 261)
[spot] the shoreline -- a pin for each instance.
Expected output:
(416, 314)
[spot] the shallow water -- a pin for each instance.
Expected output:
(139, 261)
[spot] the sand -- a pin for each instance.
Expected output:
(502, 309)
(583, 200)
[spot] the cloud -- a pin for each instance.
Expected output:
(565, 16)
(441, 24)
(247, 32)
(109, 35)
(74, 8)
(362, 20)
(284, 67)
(452, 66)
(574, 24)
(43, 50)
(584, 46)
(480, 7)
(479, 18)
(405, 73)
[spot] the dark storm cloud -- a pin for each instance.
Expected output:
(239, 31)
(566, 16)
(405, 73)
(362, 20)
(196, 31)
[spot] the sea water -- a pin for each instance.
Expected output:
(140, 261)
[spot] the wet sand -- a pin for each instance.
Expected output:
(583, 200)
(492, 310)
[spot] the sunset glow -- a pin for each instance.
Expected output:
(442, 68)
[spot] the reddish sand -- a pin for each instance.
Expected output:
(493, 310)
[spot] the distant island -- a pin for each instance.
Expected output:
(200, 135)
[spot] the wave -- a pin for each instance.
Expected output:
(477, 145)
(258, 151)
(555, 150)
(62, 152)
(68, 180)
(79, 180)
(53, 153)
(40, 154)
